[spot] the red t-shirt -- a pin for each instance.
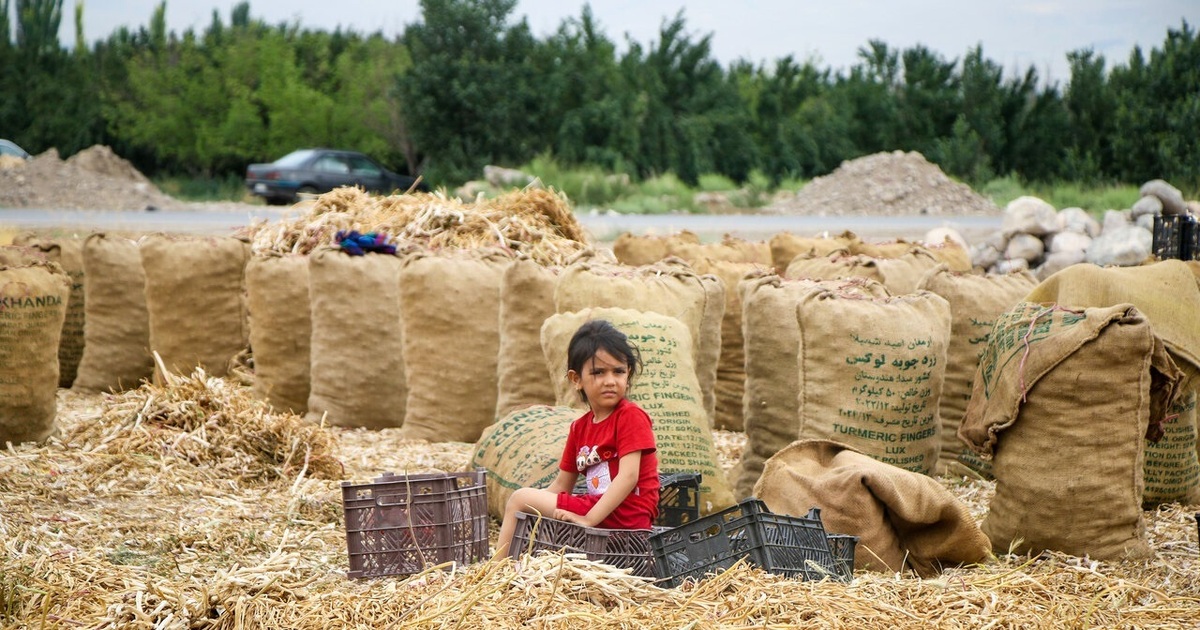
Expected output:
(594, 450)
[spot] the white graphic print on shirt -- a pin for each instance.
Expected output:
(595, 471)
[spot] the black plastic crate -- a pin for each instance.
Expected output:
(623, 548)
(1190, 249)
(400, 525)
(678, 499)
(842, 546)
(1169, 240)
(791, 546)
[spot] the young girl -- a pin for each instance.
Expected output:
(612, 445)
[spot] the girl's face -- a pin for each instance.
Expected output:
(605, 381)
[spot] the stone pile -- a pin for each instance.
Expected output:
(1036, 237)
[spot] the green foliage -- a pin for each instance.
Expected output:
(715, 182)
(227, 187)
(585, 186)
(1096, 199)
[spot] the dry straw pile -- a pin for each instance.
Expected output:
(191, 505)
(534, 221)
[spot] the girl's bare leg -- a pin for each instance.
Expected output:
(529, 500)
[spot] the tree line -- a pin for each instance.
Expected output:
(468, 85)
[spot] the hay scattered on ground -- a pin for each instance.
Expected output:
(131, 537)
(536, 222)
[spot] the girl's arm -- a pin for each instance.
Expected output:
(564, 482)
(618, 490)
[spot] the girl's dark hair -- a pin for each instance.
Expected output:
(598, 334)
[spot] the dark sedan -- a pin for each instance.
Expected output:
(318, 171)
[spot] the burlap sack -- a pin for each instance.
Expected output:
(451, 307)
(785, 247)
(280, 329)
(196, 298)
(116, 349)
(902, 274)
(975, 303)
(356, 353)
(708, 355)
(526, 300)
(636, 251)
(950, 252)
(666, 389)
(1168, 296)
(835, 266)
(730, 249)
(731, 367)
(903, 519)
(67, 252)
(882, 249)
(772, 336)
(1171, 472)
(1062, 402)
(870, 374)
(33, 305)
(20, 255)
(670, 287)
(522, 450)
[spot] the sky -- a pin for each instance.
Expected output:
(1016, 34)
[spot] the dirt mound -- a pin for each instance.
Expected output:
(885, 184)
(101, 160)
(94, 179)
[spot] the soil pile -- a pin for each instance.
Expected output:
(93, 179)
(885, 184)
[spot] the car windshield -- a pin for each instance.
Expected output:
(294, 159)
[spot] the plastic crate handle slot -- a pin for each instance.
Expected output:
(706, 533)
(401, 502)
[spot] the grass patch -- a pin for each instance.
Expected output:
(228, 188)
(1095, 199)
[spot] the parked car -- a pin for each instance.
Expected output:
(318, 171)
(8, 147)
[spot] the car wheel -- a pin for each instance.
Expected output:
(276, 201)
(305, 190)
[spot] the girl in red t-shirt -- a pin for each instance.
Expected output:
(612, 445)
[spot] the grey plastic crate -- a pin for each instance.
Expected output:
(842, 546)
(678, 498)
(791, 546)
(1170, 237)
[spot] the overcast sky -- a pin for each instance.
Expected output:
(1013, 33)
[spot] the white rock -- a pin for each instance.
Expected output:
(1057, 261)
(1125, 246)
(1009, 266)
(1116, 220)
(1146, 205)
(500, 177)
(1029, 215)
(1171, 198)
(984, 256)
(939, 235)
(1026, 246)
(1068, 242)
(1146, 221)
(998, 241)
(1078, 220)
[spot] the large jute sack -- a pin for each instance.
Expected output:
(116, 349)
(730, 387)
(772, 341)
(953, 254)
(881, 249)
(280, 329)
(903, 519)
(67, 252)
(522, 450)
(635, 251)
(975, 303)
(903, 273)
(667, 389)
(670, 287)
(356, 352)
(33, 305)
(196, 299)
(451, 307)
(1062, 403)
(1167, 294)
(1171, 472)
(870, 373)
(526, 300)
(785, 247)
(730, 248)
(835, 266)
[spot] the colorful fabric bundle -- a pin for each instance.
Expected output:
(357, 244)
